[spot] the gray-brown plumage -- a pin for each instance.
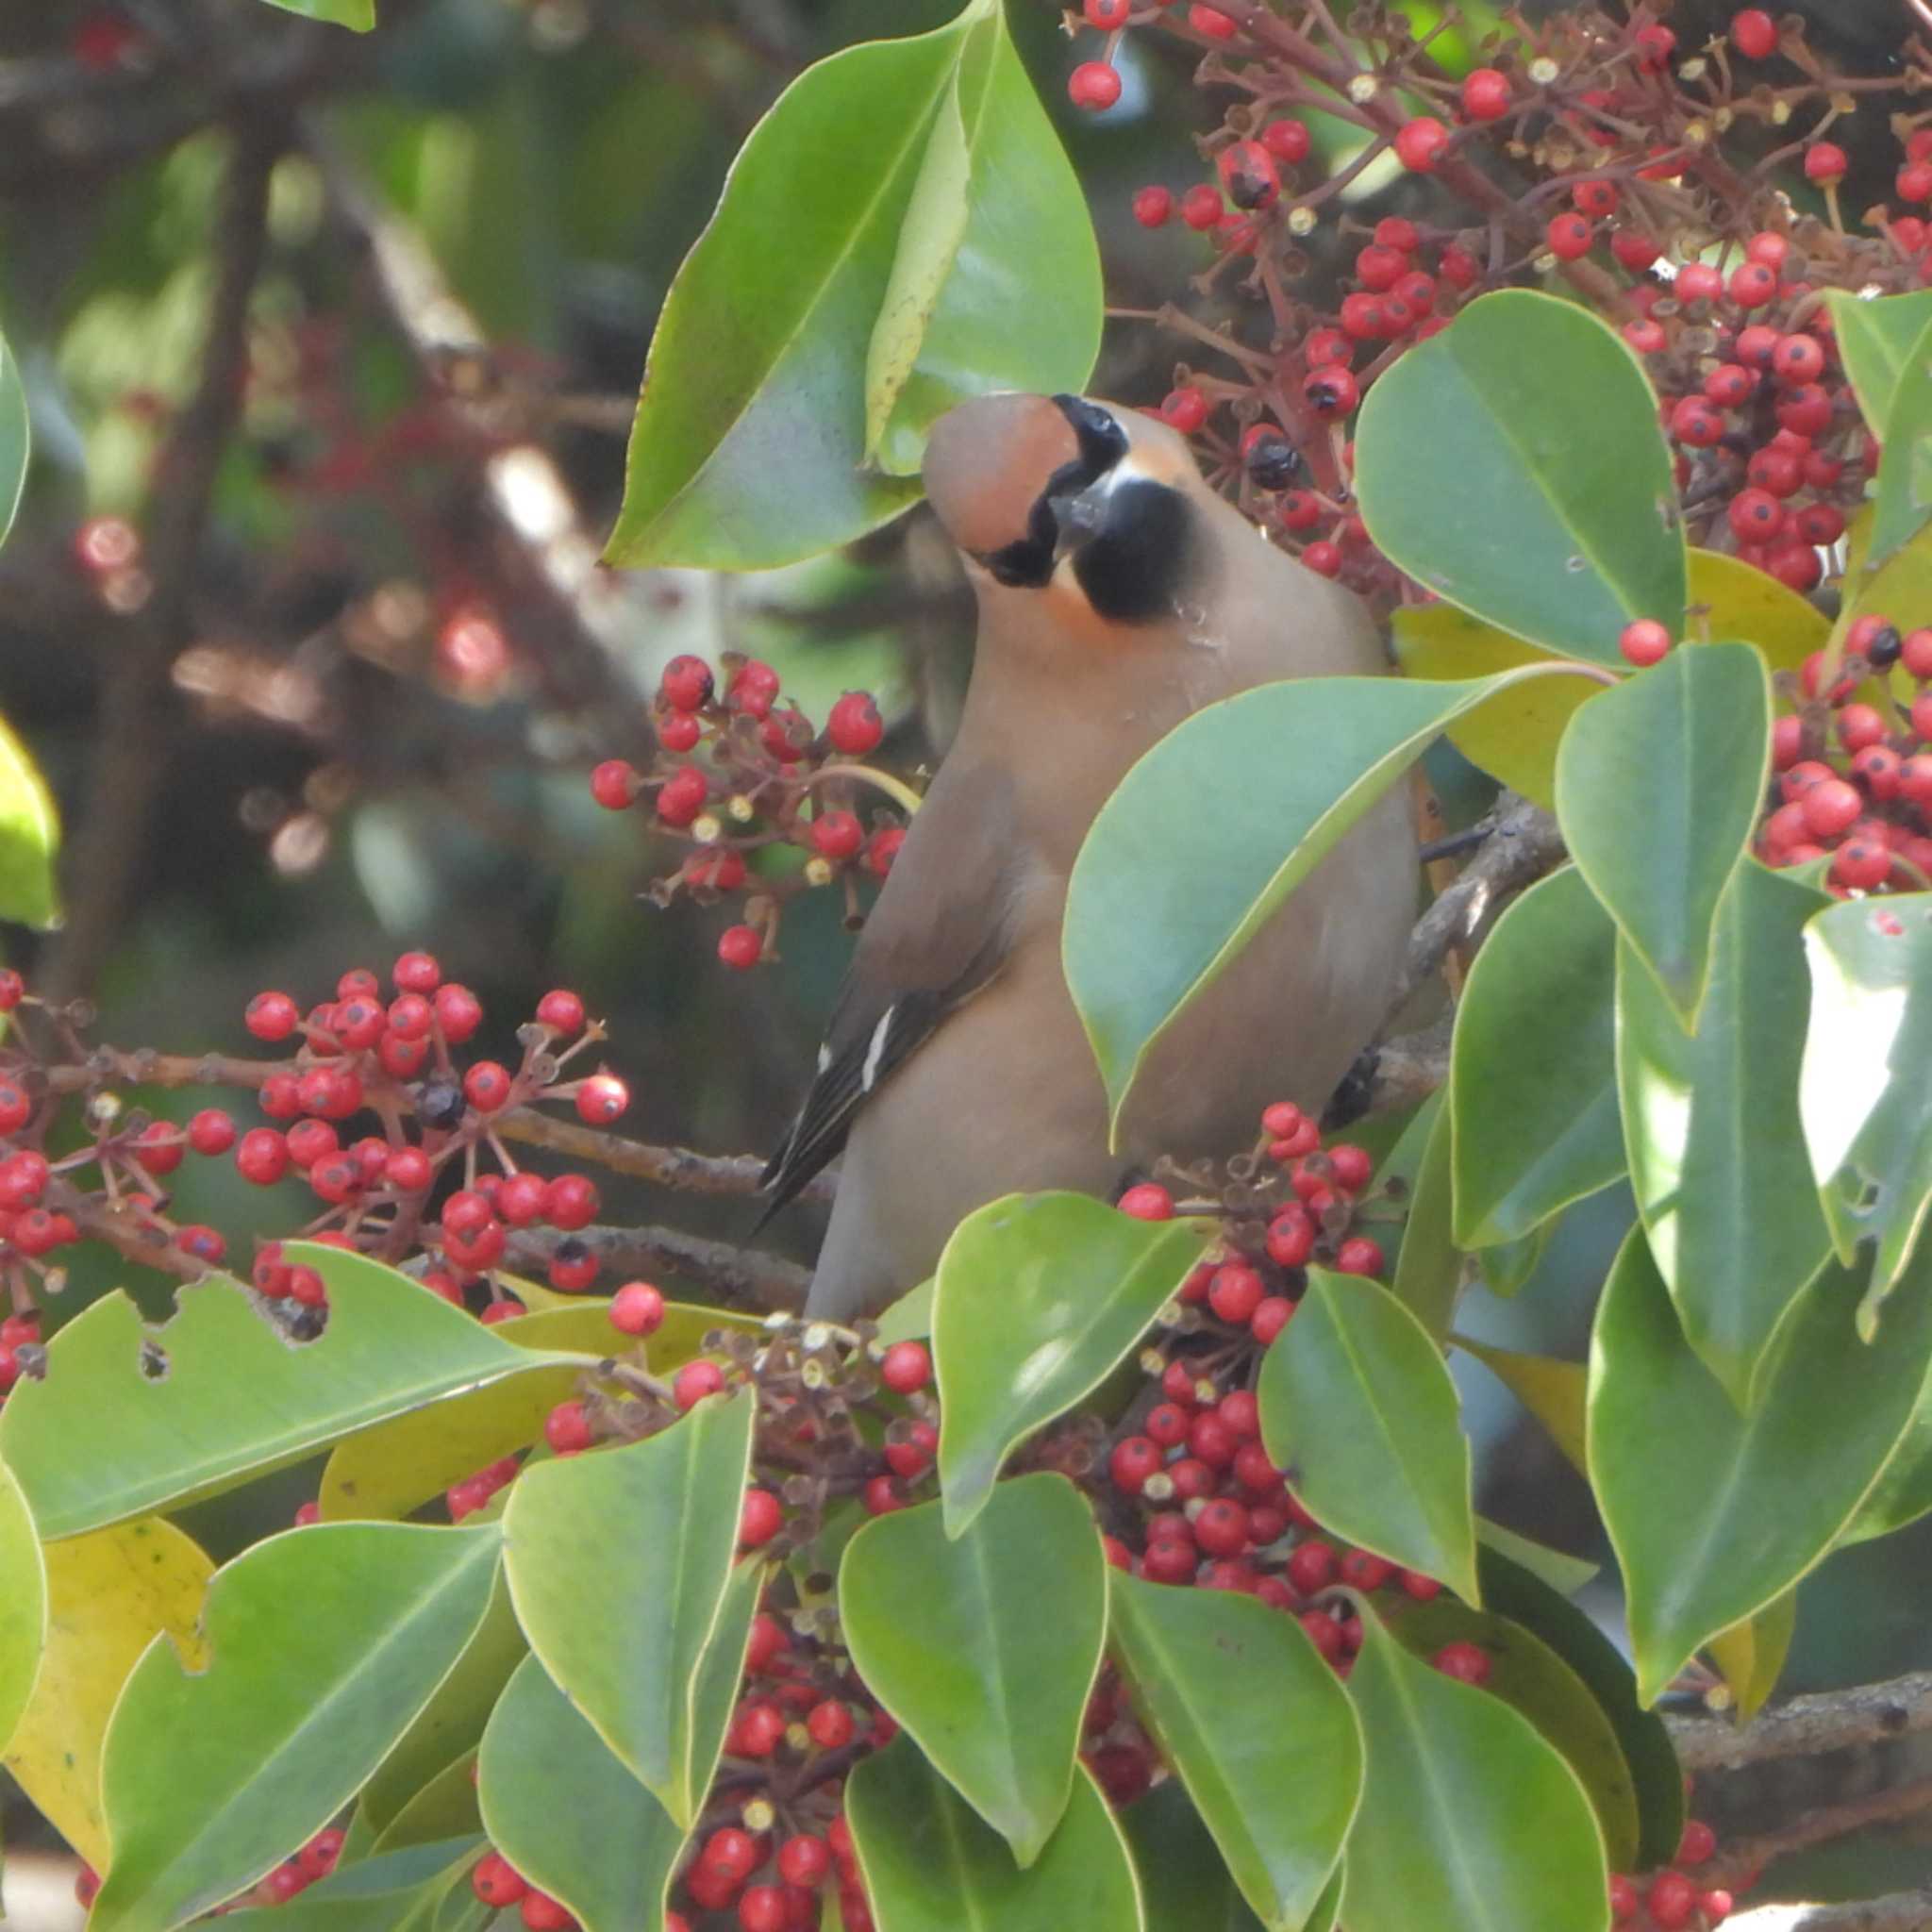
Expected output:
(1117, 594)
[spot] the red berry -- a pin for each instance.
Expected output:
(905, 1368)
(600, 1099)
(1752, 284)
(1271, 1318)
(1626, 1899)
(272, 1016)
(1152, 207)
(1485, 94)
(571, 1201)
(837, 835)
(1825, 162)
(1362, 1570)
(614, 784)
(1358, 1254)
(1331, 389)
(1796, 360)
(1287, 141)
(1569, 237)
(318, 1857)
(1697, 1845)
(542, 1913)
(741, 947)
(763, 1908)
(416, 972)
(687, 683)
(486, 1086)
(1673, 1901)
(759, 1519)
(1697, 282)
(562, 1011)
(1210, 22)
(1148, 1201)
(566, 1428)
(1132, 1462)
(262, 1156)
(636, 1308)
(694, 1381)
(1694, 422)
(1420, 143)
(12, 988)
(1830, 806)
(1644, 642)
(1221, 1527)
(495, 1881)
(458, 1011)
(830, 1724)
(1715, 1906)
(1185, 409)
(1754, 34)
(682, 796)
(1094, 85)
(1466, 1662)
(803, 1859)
(1249, 175)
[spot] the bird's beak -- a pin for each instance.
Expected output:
(1070, 510)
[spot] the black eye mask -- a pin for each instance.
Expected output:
(1028, 562)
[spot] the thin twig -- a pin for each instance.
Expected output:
(744, 1275)
(1743, 1857)
(1809, 1727)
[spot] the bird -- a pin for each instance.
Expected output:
(1117, 594)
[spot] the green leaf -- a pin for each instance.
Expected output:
(883, 213)
(1905, 467)
(931, 1865)
(1185, 1883)
(390, 1894)
(1076, 1283)
(1243, 1707)
(1658, 785)
(1903, 1493)
(1658, 1780)
(23, 1604)
(323, 1644)
(1428, 1264)
(1532, 1083)
(1875, 343)
(1532, 1679)
(359, 16)
(1555, 1393)
(568, 1815)
(1737, 600)
(1750, 1655)
(1358, 1413)
(445, 1808)
(995, 284)
(1149, 928)
(1862, 1096)
(450, 1726)
(1723, 1187)
(910, 1318)
(626, 1636)
(985, 1646)
(1470, 1821)
(29, 828)
(1564, 1574)
(1773, 1489)
(1514, 464)
(217, 1396)
(16, 437)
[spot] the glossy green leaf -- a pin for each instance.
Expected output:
(450, 1726)
(1563, 1572)
(1148, 928)
(569, 1816)
(931, 1865)
(626, 1636)
(1658, 785)
(1903, 1493)
(1656, 1780)
(1773, 1489)
(398, 1891)
(210, 1778)
(995, 284)
(1359, 1414)
(1428, 1264)
(985, 1645)
(910, 1318)
(1734, 599)
(1724, 1191)
(1185, 1883)
(1514, 464)
(359, 16)
(1076, 1283)
(1555, 1393)
(29, 829)
(1750, 1655)
(1243, 1707)
(1863, 1099)
(1532, 1083)
(1509, 1267)
(446, 1807)
(1532, 1679)
(1470, 1821)
(23, 1604)
(1875, 343)
(1905, 469)
(217, 1395)
(867, 250)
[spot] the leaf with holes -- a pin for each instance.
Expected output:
(1357, 1410)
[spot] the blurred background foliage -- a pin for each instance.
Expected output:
(358, 717)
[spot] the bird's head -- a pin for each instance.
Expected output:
(1065, 495)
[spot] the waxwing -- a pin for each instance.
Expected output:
(1117, 594)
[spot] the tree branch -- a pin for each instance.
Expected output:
(1742, 1858)
(1809, 1727)
(744, 1275)
(1901, 1912)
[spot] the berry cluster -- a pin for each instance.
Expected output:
(1852, 778)
(1617, 137)
(1673, 1901)
(741, 772)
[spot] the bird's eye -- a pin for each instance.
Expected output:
(1135, 567)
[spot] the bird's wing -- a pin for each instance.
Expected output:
(939, 932)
